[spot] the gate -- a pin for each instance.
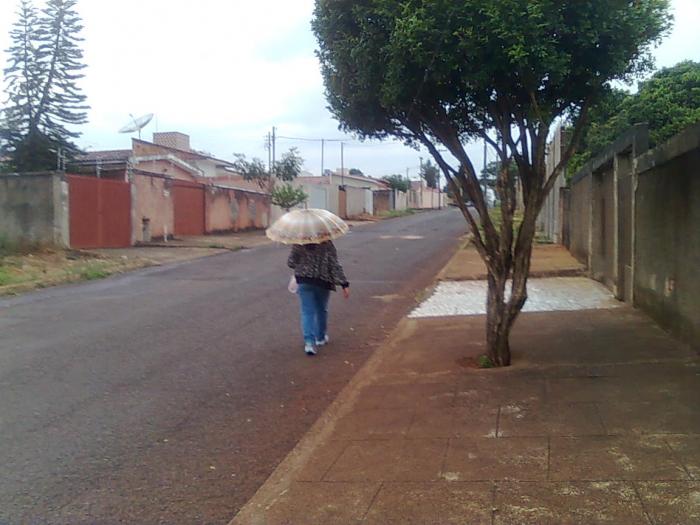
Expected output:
(189, 208)
(99, 212)
(342, 203)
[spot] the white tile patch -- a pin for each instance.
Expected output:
(544, 295)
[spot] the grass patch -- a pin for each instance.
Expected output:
(88, 272)
(7, 277)
(483, 361)
(93, 271)
(397, 213)
(497, 220)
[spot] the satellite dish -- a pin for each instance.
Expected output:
(136, 123)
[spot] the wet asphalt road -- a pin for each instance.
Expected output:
(170, 394)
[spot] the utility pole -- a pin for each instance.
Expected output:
(342, 165)
(483, 175)
(274, 138)
(269, 152)
(323, 146)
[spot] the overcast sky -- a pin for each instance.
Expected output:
(226, 72)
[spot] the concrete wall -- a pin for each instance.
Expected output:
(400, 200)
(318, 196)
(667, 240)
(580, 219)
(635, 219)
(34, 208)
(603, 224)
(421, 197)
(152, 200)
(549, 219)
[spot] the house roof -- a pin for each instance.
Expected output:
(106, 155)
(191, 153)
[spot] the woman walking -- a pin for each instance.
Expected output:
(317, 273)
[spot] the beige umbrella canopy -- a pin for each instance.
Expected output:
(311, 226)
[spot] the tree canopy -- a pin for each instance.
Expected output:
(44, 100)
(438, 73)
(430, 173)
(287, 196)
(397, 182)
(285, 169)
(668, 102)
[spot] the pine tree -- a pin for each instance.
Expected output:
(62, 102)
(23, 81)
(43, 98)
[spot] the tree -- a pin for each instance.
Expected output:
(286, 169)
(438, 73)
(45, 60)
(356, 171)
(430, 173)
(668, 102)
(397, 182)
(287, 196)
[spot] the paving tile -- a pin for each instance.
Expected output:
(581, 389)
(549, 503)
(377, 423)
(407, 396)
(687, 450)
(606, 458)
(481, 459)
(500, 389)
(477, 421)
(320, 461)
(389, 460)
(671, 503)
(550, 419)
(679, 386)
(442, 503)
(657, 417)
(327, 503)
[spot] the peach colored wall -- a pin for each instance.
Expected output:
(164, 167)
(233, 210)
(219, 210)
(152, 199)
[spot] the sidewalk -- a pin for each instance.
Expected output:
(597, 421)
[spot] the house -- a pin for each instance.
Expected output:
(174, 190)
(422, 197)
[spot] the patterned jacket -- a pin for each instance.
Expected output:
(317, 264)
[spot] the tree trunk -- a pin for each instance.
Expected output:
(498, 323)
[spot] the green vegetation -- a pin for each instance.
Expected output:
(397, 213)
(44, 101)
(285, 169)
(397, 182)
(483, 361)
(437, 73)
(92, 271)
(668, 102)
(287, 196)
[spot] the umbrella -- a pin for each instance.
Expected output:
(311, 226)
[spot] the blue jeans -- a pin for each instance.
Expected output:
(314, 311)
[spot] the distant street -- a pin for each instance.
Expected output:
(170, 394)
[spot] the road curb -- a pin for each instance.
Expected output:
(277, 484)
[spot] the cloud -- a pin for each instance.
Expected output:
(226, 72)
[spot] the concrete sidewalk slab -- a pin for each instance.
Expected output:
(595, 422)
(544, 295)
(548, 260)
